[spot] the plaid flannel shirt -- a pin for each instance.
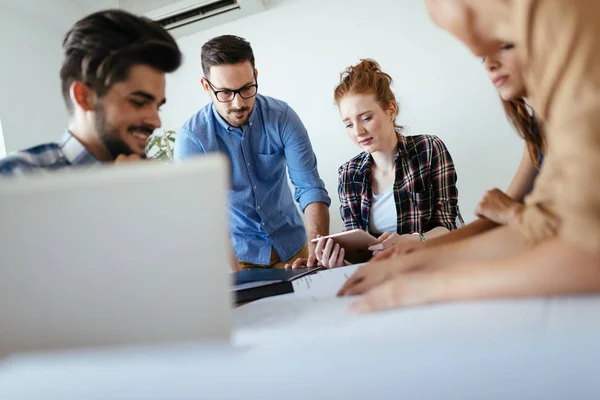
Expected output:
(67, 152)
(424, 189)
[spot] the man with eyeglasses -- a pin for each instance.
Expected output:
(261, 136)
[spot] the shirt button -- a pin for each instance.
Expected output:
(259, 207)
(254, 187)
(263, 224)
(248, 164)
(250, 123)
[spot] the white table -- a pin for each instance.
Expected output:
(304, 346)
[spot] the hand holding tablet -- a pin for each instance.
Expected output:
(330, 250)
(353, 240)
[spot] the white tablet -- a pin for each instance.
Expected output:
(354, 240)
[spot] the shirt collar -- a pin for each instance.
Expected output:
(401, 143)
(365, 164)
(75, 152)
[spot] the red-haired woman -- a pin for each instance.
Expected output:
(399, 188)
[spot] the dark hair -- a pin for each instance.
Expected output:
(366, 77)
(100, 49)
(529, 128)
(226, 49)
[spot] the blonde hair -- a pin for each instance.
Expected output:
(529, 128)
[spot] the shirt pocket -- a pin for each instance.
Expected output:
(422, 203)
(269, 166)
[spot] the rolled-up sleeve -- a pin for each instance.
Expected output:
(186, 146)
(443, 181)
(344, 192)
(302, 163)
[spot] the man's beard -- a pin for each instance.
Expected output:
(231, 118)
(109, 134)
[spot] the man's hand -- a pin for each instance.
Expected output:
(309, 262)
(498, 207)
(316, 221)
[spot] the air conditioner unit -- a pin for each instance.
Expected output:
(182, 18)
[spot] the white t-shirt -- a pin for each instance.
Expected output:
(383, 213)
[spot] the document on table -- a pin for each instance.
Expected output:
(324, 283)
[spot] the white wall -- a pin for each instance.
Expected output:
(2, 145)
(301, 47)
(31, 105)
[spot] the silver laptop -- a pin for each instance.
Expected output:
(119, 255)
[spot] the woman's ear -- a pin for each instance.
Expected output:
(392, 110)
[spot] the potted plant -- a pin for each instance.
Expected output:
(160, 145)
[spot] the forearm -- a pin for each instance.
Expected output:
(316, 220)
(470, 230)
(499, 243)
(435, 232)
(552, 268)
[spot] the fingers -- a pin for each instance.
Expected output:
(386, 240)
(384, 236)
(390, 240)
(319, 248)
(363, 279)
(335, 252)
(298, 263)
(311, 261)
(479, 211)
(326, 254)
(340, 260)
(353, 280)
(334, 260)
(364, 285)
(407, 289)
(384, 254)
(383, 297)
(376, 247)
(379, 246)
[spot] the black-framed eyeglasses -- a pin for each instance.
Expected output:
(227, 95)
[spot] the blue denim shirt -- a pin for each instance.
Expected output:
(262, 209)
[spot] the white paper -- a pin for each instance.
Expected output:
(324, 283)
